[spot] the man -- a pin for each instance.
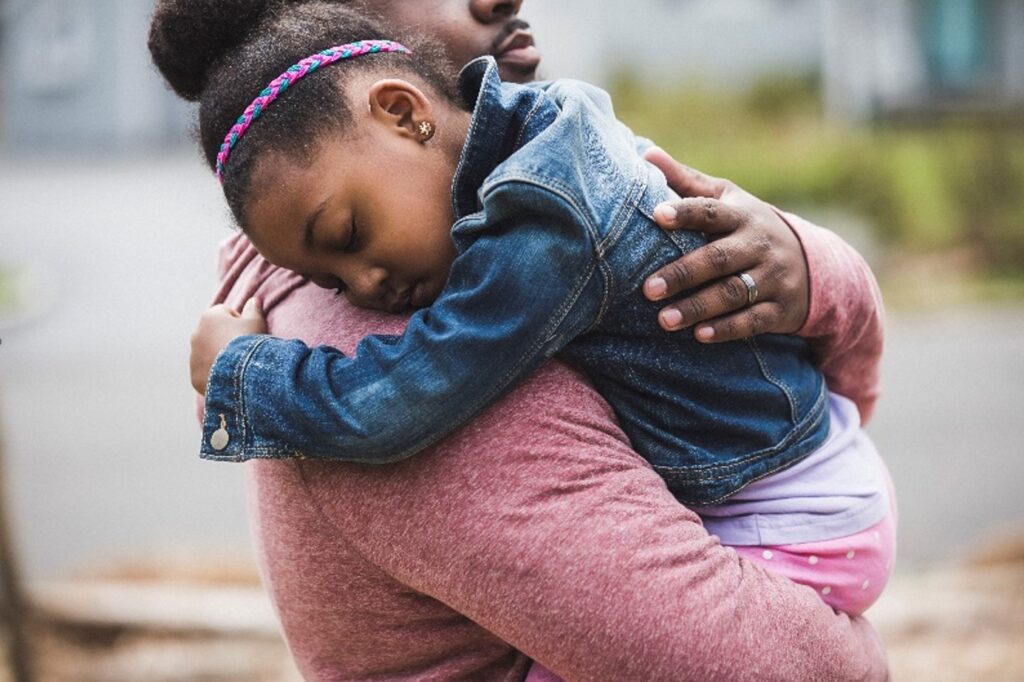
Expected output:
(535, 530)
(470, 28)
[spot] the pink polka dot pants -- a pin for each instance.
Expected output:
(848, 573)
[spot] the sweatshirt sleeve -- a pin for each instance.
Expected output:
(525, 283)
(845, 323)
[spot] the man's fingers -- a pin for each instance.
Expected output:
(700, 215)
(684, 181)
(720, 298)
(710, 262)
(757, 319)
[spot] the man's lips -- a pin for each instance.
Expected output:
(518, 51)
(515, 40)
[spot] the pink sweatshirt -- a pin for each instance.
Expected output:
(535, 531)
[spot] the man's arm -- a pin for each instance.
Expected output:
(538, 523)
(846, 322)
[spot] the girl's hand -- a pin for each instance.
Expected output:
(217, 327)
(750, 237)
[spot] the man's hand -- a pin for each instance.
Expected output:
(217, 327)
(748, 236)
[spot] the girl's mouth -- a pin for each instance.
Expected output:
(420, 295)
(414, 296)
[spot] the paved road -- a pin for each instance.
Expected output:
(951, 426)
(101, 438)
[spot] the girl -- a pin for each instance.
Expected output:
(552, 208)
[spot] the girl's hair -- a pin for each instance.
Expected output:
(222, 53)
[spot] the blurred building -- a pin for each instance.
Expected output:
(77, 76)
(876, 58)
(718, 44)
(885, 58)
(77, 73)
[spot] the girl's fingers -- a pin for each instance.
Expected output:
(252, 315)
(713, 301)
(221, 309)
(252, 310)
(751, 321)
(684, 181)
(712, 261)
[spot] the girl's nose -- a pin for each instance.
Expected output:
(489, 11)
(366, 286)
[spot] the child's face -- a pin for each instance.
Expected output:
(371, 214)
(470, 29)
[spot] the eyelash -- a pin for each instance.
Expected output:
(353, 236)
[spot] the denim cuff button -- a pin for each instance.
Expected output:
(219, 439)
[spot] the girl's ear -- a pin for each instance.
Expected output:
(401, 106)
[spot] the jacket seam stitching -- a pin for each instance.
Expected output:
(624, 212)
(793, 412)
(696, 473)
(529, 118)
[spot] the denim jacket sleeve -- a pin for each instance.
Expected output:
(525, 283)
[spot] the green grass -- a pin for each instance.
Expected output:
(924, 188)
(8, 291)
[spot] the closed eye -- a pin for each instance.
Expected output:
(353, 235)
(326, 281)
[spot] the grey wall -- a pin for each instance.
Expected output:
(77, 75)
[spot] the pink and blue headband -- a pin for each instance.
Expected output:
(288, 78)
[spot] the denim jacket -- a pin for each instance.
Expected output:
(555, 236)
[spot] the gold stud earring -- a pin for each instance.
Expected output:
(426, 130)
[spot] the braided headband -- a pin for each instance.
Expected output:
(288, 78)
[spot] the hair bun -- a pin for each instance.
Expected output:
(188, 37)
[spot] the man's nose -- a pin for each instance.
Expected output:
(489, 11)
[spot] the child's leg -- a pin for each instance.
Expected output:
(848, 573)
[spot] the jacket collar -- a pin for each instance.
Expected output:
(500, 113)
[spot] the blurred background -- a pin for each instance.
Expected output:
(897, 123)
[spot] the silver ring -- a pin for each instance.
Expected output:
(751, 285)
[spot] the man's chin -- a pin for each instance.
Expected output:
(510, 75)
(519, 68)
